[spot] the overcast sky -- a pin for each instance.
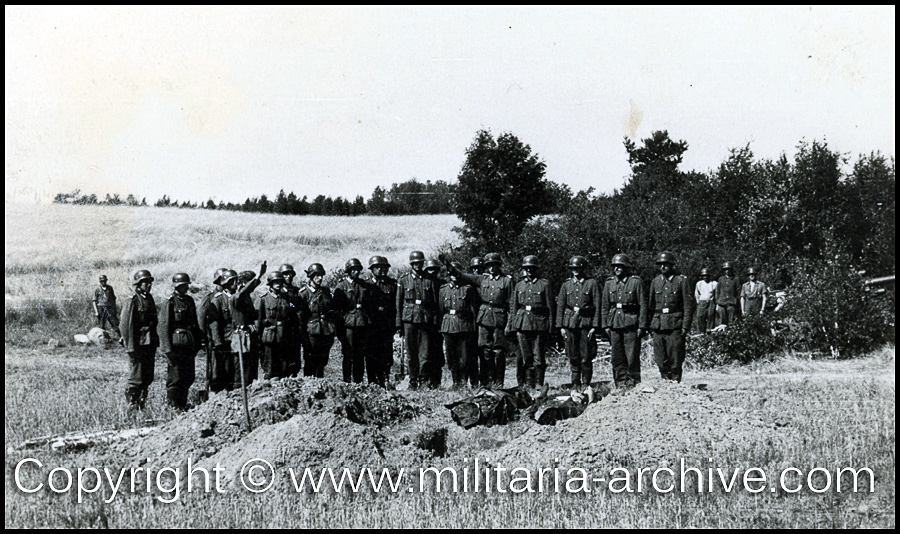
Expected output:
(235, 102)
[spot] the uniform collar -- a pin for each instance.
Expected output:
(312, 288)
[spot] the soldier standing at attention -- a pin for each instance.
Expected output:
(727, 290)
(531, 315)
(438, 359)
(753, 295)
(625, 318)
(671, 306)
(380, 355)
(417, 311)
(705, 295)
(458, 303)
(318, 321)
(205, 312)
(139, 337)
(495, 291)
(352, 298)
(278, 325)
(105, 306)
(293, 293)
(578, 317)
(472, 371)
(179, 339)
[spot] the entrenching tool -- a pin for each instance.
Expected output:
(243, 379)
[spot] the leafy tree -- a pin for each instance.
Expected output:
(501, 186)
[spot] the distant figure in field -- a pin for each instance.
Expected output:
(705, 295)
(753, 295)
(727, 291)
(105, 306)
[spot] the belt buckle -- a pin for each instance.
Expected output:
(452, 312)
(618, 305)
(419, 302)
(665, 310)
(576, 308)
(527, 308)
(381, 308)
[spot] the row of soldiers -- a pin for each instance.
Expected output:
(471, 322)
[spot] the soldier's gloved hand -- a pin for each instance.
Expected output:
(262, 269)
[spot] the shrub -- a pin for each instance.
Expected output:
(749, 340)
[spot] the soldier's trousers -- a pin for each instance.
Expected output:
(581, 349)
(141, 375)
(705, 319)
(222, 373)
(316, 358)
(531, 361)
(276, 360)
(179, 378)
(353, 348)
(419, 339)
(726, 314)
(380, 356)
(754, 306)
(626, 356)
(668, 352)
(493, 345)
(457, 345)
(472, 370)
(109, 315)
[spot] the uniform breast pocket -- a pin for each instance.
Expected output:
(179, 315)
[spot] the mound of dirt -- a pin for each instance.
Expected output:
(635, 428)
(298, 423)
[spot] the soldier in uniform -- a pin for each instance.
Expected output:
(578, 317)
(105, 306)
(495, 291)
(458, 303)
(180, 337)
(353, 300)
(476, 265)
(475, 268)
(531, 315)
(728, 288)
(278, 324)
(318, 321)
(253, 356)
(433, 271)
(380, 355)
(293, 292)
(671, 305)
(417, 312)
(623, 314)
(705, 296)
(205, 312)
(138, 323)
(753, 295)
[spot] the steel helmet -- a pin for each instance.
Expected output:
(416, 256)
(704, 272)
(315, 268)
(378, 260)
(751, 270)
(666, 257)
(287, 268)
(228, 276)
(217, 277)
(475, 262)
(530, 261)
(456, 265)
(103, 277)
(432, 264)
(141, 276)
(181, 279)
(726, 265)
(492, 257)
(352, 264)
(246, 276)
(275, 276)
(578, 261)
(621, 259)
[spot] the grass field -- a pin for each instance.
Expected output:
(825, 414)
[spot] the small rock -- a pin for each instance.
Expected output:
(648, 389)
(58, 446)
(53, 343)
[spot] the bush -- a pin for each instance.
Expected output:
(750, 340)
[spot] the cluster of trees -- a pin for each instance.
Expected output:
(76, 197)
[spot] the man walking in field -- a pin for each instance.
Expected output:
(623, 313)
(705, 296)
(417, 311)
(105, 306)
(278, 323)
(179, 339)
(578, 317)
(138, 322)
(753, 295)
(380, 355)
(531, 317)
(353, 300)
(728, 288)
(457, 302)
(671, 305)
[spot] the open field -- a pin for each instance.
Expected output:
(54, 253)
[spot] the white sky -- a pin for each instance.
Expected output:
(236, 102)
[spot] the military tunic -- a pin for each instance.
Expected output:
(380, 355)
(728, 291)
(623, 312)
(457, 304)
(417, 311)
(278, 324)
(138, 321)
(494, 293)
(578, 312)
(179, 339)
(531, 314)
(106, 307)
(318, 321)
(672, 306)
(353, 299)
